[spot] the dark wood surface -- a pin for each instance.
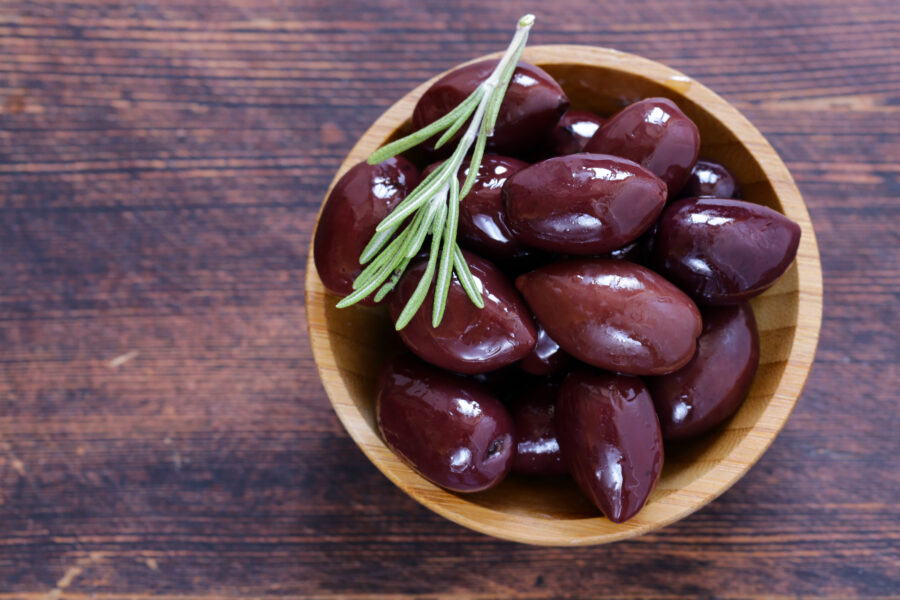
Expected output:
(163, 432)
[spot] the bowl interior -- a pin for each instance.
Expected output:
(350, 344)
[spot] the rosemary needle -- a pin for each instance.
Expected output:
(433, 206)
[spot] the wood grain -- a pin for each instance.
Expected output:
(348, 345)
(161, 165)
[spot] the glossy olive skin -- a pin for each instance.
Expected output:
(711, 387)
(614, 314)
(450, 430)
(572, 133)
(537, 450)
(711, 179)
(547, 357)
(654, 133)
(468, 339)
(610, 439)
(482, 223)
(582, 203)
(533, 104)
(722, 252)
(364, 196)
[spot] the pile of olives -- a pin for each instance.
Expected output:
(615, 269)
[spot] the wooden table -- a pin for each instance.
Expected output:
(163, 432)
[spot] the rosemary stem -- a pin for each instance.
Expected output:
(433, 206)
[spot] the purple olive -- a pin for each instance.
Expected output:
(614, 314)
(469, 339)
(582, 203)
(451, 431)
(547, 357)
(482, 222)
(364, 196)
(537, 450)
(654, 133)
(610, 439)
(711, 179)
(722, 252)
(531, 107)
(708, 389)
(572, 133)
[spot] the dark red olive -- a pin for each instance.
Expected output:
(708, 390)
(654, 133)
(610, 439)
(364, 196)
(469, 339)
(531, 107)
(482, 222)
(722, 252)
(614, 314)
(537, 450)
(572, 133)
(711, 179)
(582, 203)
(451, 430)
(547, 357)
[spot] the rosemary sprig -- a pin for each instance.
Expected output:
(433, 206)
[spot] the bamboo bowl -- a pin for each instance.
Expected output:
(349, 345)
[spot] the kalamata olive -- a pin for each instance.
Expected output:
(722, 252)
(582, 203)
(482, 222)
(572, 133)
(708, 389)
(531, 107)
(469, 339)
(654, 133)
(449, 429)
(537, 450)
(610, 439)
(711, 179)
(364, 196)
(547, 357)
(614, 314)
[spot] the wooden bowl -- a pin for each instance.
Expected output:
(349, 345)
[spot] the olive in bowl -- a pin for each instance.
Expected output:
(350, 345)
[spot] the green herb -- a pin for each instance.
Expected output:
(433, 206)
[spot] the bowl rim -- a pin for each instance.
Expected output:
(679, 503)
